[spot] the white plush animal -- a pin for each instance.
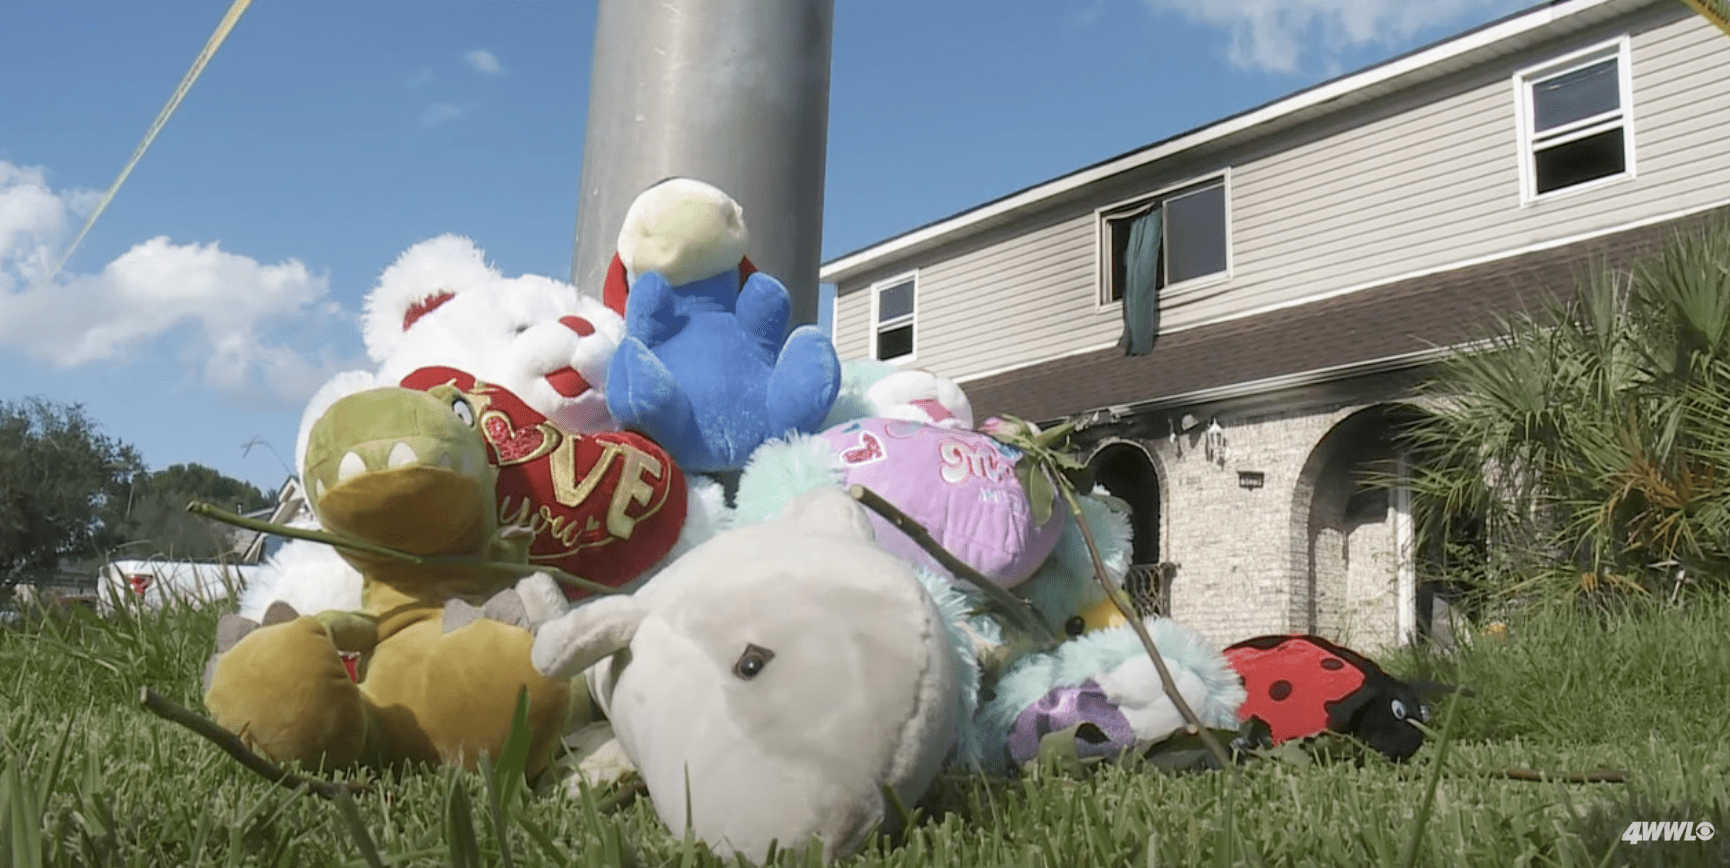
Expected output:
(778, 678)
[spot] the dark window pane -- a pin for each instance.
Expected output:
(895, 343)
(1195, 234)
(1581, 160)
(1119, 253)
(895, 301)
(1571, 96)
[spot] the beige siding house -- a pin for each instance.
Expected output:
(1294, 267)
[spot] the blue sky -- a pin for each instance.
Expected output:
(224, 282)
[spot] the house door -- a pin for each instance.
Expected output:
(1126, 470)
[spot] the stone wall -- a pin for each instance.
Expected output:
(1273, 526)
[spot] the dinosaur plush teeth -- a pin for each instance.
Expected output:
(352, 465)
(401, 454)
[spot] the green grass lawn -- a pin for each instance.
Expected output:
(87, 777)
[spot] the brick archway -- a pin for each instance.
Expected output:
(1351, 538)
(1130, 473)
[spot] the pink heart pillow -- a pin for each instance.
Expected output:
(960, 485)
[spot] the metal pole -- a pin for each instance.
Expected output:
(732, 92)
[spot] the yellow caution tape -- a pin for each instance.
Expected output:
(210, 46)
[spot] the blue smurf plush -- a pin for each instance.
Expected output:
(707, 367)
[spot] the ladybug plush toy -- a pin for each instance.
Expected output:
(1304, 685)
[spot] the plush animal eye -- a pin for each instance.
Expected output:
(1399, 710)
(460, 406)
(751, 662)
(522, 328)
(1075, 626)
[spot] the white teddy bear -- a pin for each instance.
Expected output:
(441, 305)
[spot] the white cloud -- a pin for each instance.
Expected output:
(230, 313)
(484, 62)
(1278, 35)
(443, 113)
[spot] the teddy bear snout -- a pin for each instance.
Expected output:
(567, 382)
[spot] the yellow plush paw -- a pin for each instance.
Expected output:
(284, 691)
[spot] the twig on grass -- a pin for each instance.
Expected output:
(167, 709)
(622, 797)
(516, 568)
(1607, 776)
(1016, 608)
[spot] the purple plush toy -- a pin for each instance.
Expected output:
(960, 485)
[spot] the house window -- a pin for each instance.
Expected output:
(894, 305)
(1164, 241)
(1574, 121)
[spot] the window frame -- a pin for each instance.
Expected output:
(1103, 263)
(911, 319)
(1525, 110)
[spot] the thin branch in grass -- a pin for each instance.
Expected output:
(623, 796)
(1607, 776)
(167, 709)
(343, 542)
(1016, 608)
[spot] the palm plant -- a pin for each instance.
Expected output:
(1592, 437)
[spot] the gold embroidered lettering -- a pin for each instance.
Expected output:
(631, 489)
(567, 489)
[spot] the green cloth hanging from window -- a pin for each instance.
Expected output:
(1141, 285)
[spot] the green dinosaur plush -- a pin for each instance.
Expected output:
(408, 470)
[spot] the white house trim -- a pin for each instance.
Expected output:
(1620, 48)
(1173, 291)
(911, 319)
(1435, 56)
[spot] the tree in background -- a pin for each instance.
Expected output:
(158, 525)
(63, 487)
(70, 494)
(1592, 440)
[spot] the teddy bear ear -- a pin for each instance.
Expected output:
(684, 229)
(831, 509)
(422, 278)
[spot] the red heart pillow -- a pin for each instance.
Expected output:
(604, 507)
